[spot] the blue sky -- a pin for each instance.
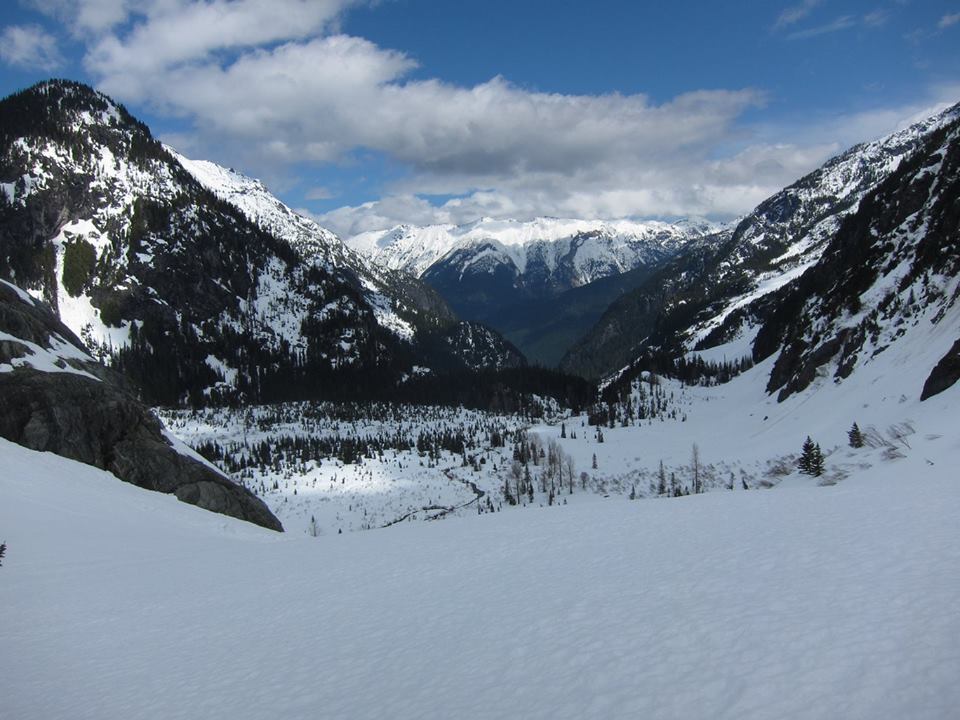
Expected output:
(367, 114)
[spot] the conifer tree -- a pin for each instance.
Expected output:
(806, 456)
(855, 436)
(811, 459)
(3, 550)
(816, 464)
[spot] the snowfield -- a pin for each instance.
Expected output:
(801, 602)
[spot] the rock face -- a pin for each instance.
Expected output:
(944, 374)
(711, 292)
(55, 398)
(891, 264)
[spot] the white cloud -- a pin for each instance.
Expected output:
(319, 193)
(844, 22)
(86, 16)
(720, 188)
(29, 46)
(795, 13)
(176, 32)
(271, 87)
(949, 20)
(876, 18)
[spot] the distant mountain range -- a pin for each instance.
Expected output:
(526, 279)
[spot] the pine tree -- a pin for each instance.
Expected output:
(3, 550)
(806, 456)
(855, 436)
(816, 464)
(661, 480)
(811, 459)
(594, 461)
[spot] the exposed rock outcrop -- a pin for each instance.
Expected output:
(54, 399)
(944, 374)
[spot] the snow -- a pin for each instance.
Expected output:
(765, 284)
(618, 243)
(22, 294)
(78, 313)
(53, 359)
(252, 197)
(804, 602)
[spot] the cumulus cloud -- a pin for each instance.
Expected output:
(272, 87)
(86, 16)
(29, 46)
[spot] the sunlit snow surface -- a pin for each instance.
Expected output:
(799, 601)
(803, 603)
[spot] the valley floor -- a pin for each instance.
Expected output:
(802, 602)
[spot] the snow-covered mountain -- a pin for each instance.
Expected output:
(584, 250)
(192, 278)
(705, 294)
(505, 273)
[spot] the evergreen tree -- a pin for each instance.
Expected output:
(806, 456)
(817, 464)
(3, 549)
(695, 465)
(811, 458)
(855, 436)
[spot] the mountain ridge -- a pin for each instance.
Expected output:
(199, 288)
(705, 296)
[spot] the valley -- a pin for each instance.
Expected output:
(535, 468)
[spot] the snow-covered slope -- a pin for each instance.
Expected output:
(727, 605)
(591, 248)
(252, 197)
(697, 298)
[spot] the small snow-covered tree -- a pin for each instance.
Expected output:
(3, 550)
